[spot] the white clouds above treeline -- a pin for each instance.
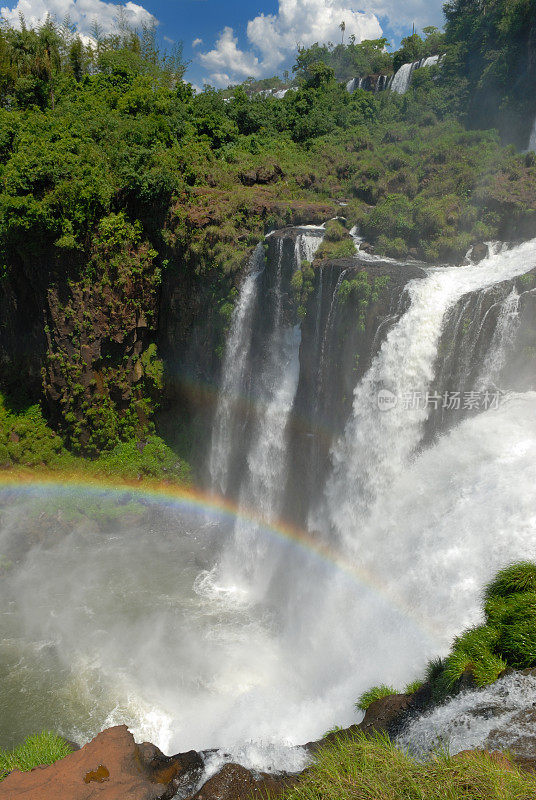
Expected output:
(82, 13)
(273, 38)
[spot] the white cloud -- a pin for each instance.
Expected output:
(220, 80)
(401, 15)
(82, 13)
(197, 42)
(227, 58)
(275, 36)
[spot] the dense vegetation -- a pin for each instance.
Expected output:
(120, 187)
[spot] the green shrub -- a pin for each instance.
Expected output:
(508, 639)
(473, 652)
(519, 577)
(151, 458)
(371, 695)
(41, 749)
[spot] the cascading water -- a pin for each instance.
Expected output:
(234, 366)
(385, 428)
(245, 634)
(532, 140)
(500, 717)
(402, 79)
(502, 342)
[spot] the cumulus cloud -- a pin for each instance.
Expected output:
(197, 42)
(228, 59)
(82, 13)
(275, 36)
(401, 15)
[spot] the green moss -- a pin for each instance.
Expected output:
(150, 458)
(474, 652)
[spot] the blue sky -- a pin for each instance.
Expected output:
(229, 41)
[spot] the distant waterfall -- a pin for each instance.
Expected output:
(532, 140)
(402, 79)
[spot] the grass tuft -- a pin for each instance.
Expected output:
(38, 750)
(372, 768)
(373, 694)
(520, 577)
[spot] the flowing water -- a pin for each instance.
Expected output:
(202, 628)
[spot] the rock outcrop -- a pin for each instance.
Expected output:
(111, 767)
(234, 782)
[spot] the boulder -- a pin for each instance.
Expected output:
(111, 767)
(479, 252)
(234, 782)
(382, 716)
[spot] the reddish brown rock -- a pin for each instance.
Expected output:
(234, 782)
(111, 767)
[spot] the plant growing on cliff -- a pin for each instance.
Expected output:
(41, 749)
(373, 694)
(360, 291)
(507, 639)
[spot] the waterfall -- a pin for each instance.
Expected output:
(532, 140)
(402, 79)
(274, 388)
(250, 635)
(386, 425)
(502, 342)
(235, 361)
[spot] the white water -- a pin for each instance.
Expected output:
(233, 373)
(502, 342)
(499, 717)
(378, 444)
(532, 140)
(402, 79)
(169, 629)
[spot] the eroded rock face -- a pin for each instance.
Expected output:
(111, 767)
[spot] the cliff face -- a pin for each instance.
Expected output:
(350, 312)
(488, 346)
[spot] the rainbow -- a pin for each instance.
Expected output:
(191, 499)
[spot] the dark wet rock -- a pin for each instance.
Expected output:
(234, 782)
(479, 252)
(111, 767)
(383, 716)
